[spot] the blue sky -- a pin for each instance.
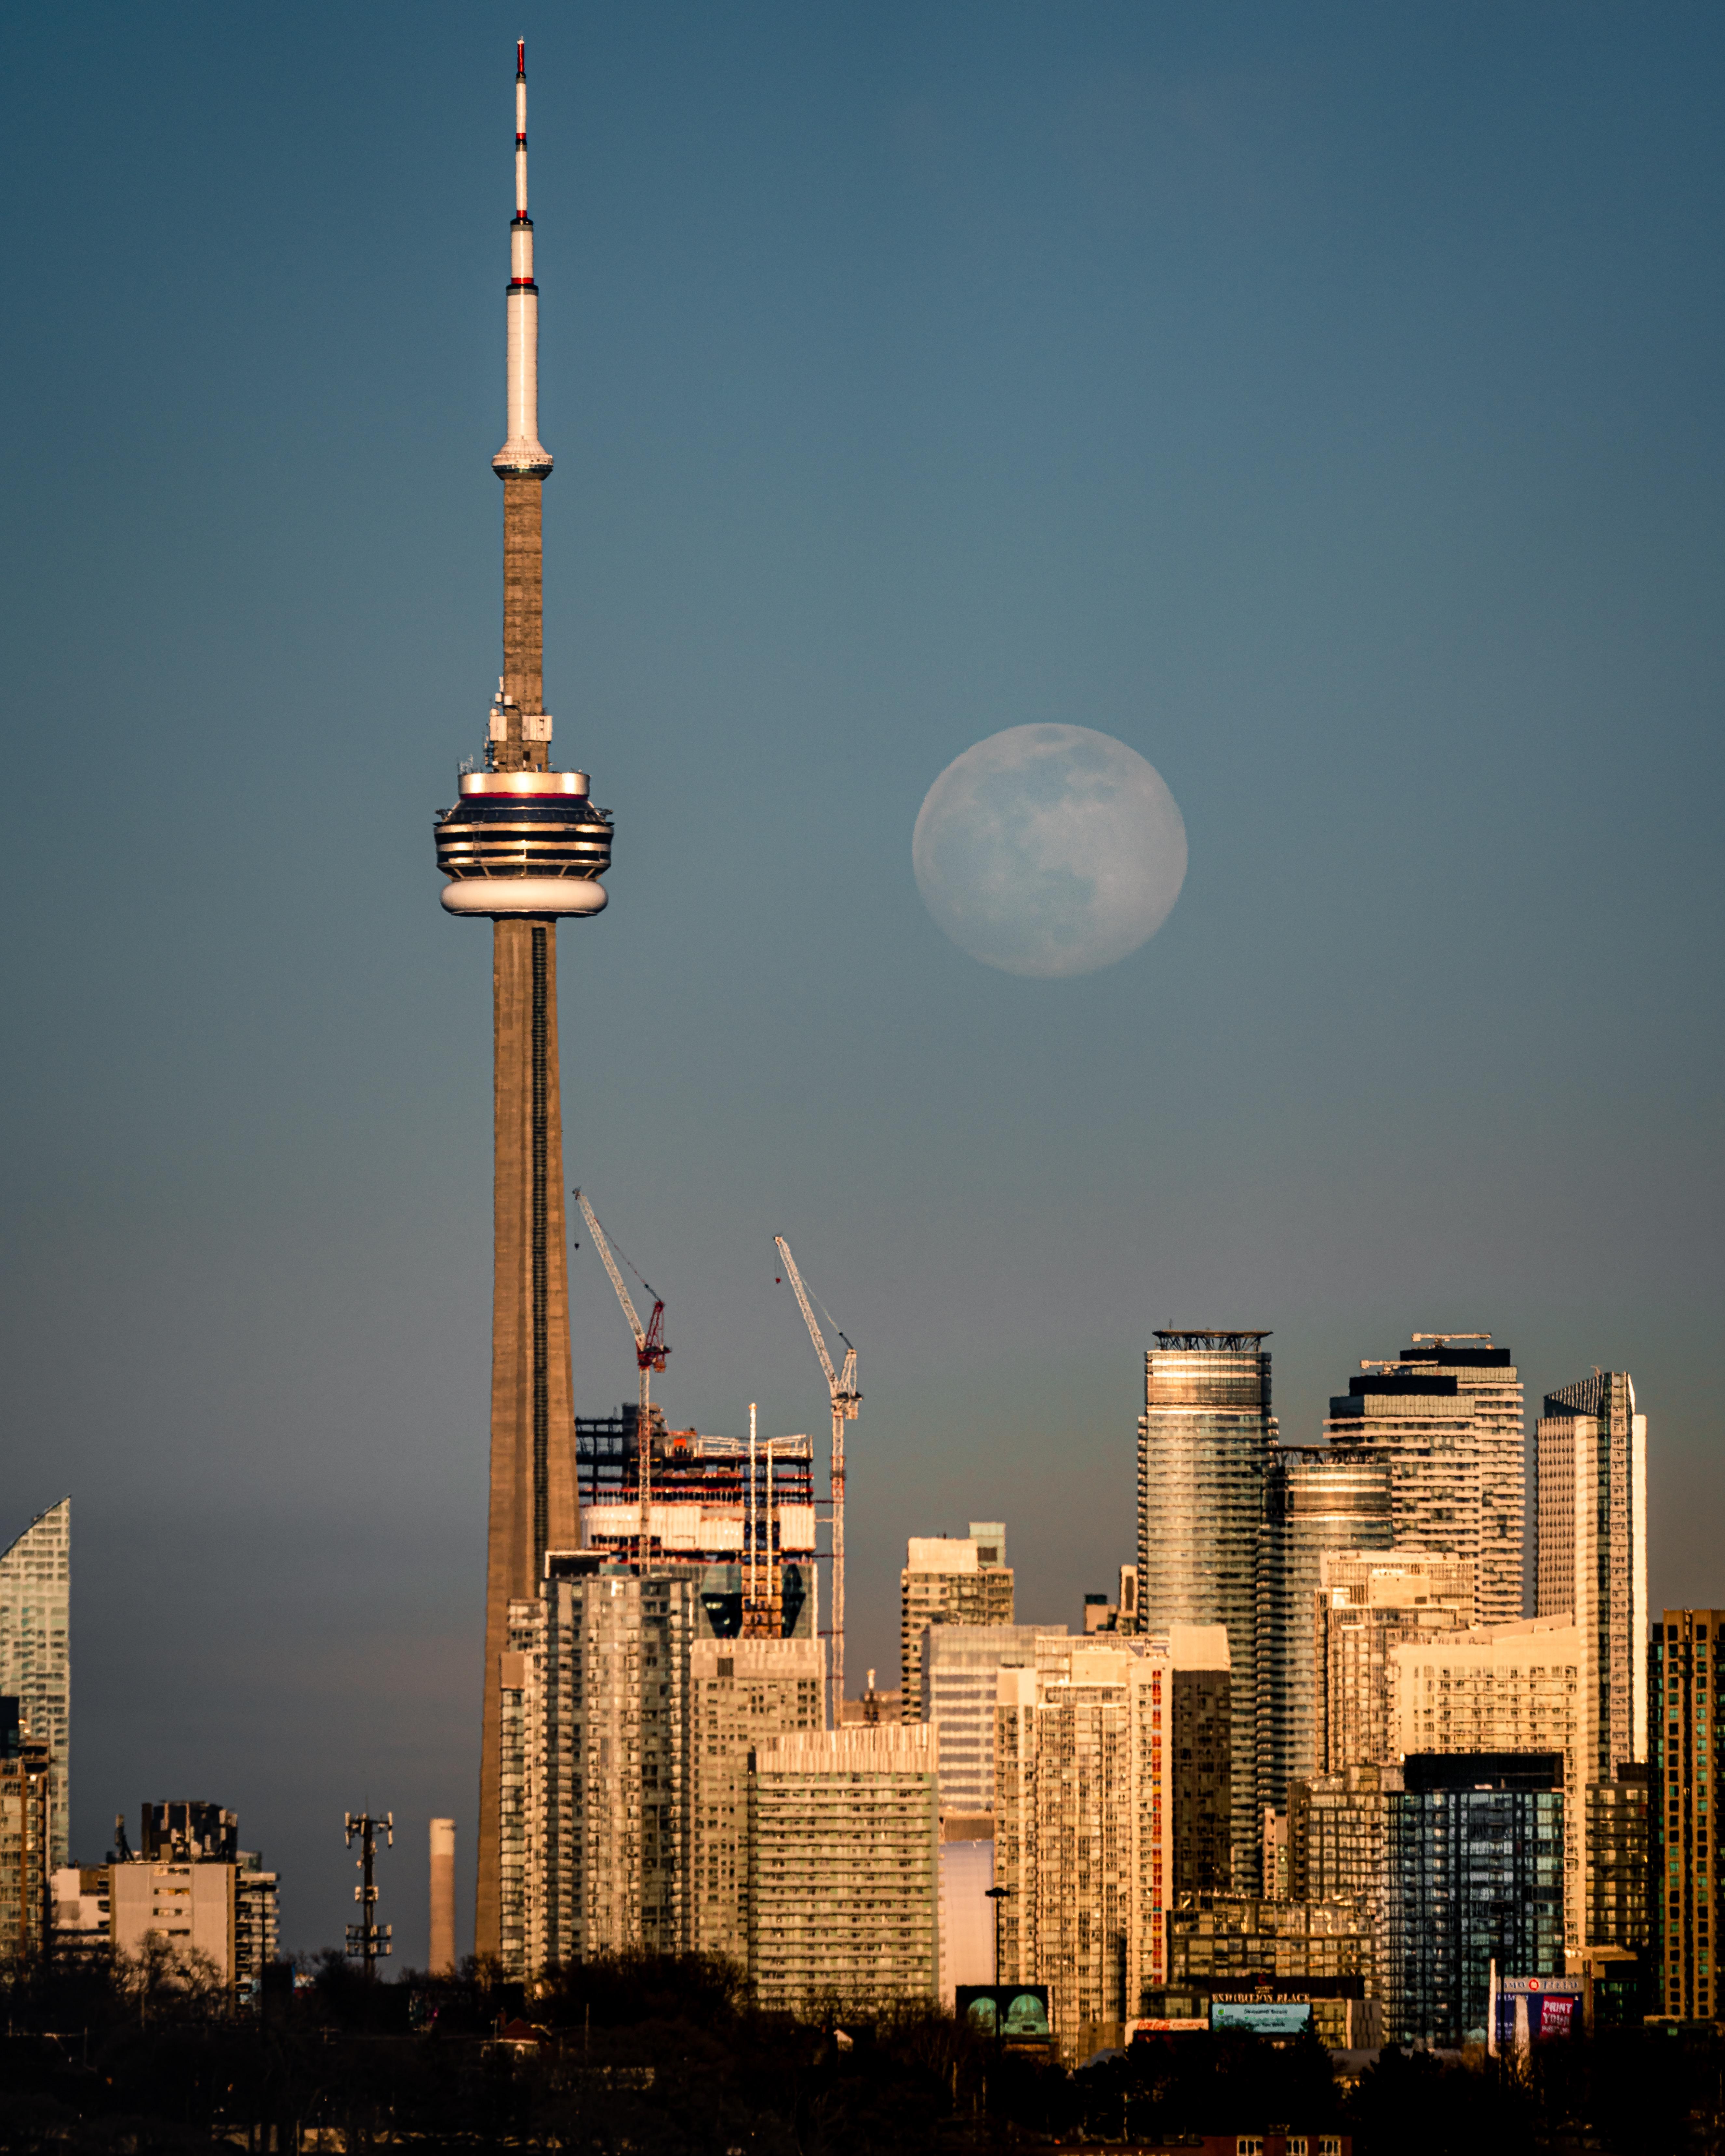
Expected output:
(1324, 402)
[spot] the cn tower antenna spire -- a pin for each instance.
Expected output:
(523, 451)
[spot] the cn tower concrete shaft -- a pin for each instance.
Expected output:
(534, 1503)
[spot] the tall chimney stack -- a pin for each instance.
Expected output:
(443, 1897)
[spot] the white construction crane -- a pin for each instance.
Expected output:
(650, 1352)
(841, 1385)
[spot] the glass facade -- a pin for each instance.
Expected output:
(1204, 1442)
(1315, 1500)
(35, 1656)
(1476, 1875)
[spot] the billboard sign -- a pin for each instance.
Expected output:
(1529, 2008)
(1269, 2017)
(1016, 2013)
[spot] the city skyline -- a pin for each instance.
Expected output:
(1327, 425)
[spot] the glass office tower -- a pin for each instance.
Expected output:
(1204, 1442)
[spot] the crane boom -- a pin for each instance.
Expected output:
(604, 1248)
(650, 1352)
(842, 1391)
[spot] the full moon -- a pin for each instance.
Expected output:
(1048, 851)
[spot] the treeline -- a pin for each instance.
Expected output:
(664, 2057)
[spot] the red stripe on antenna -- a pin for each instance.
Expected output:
(520, 60)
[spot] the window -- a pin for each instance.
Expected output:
(1249, 2144)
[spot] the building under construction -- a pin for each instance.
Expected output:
(742, 1508)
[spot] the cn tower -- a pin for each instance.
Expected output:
(523, 846)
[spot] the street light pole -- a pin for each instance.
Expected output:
(997, 1895)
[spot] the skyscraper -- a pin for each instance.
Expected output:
(523, 847)
(1367, 1602)
(1315, 1499)
(1476, 1854)
(595, 1776)
(35, 1654)
(1592, 1557)
(844, 1896)
(1085, 1821)
(1205, 1440)
(1686, 1840)
(1420, 1424)
(1500, 1689)
(948, 1579)
(1487, 1378)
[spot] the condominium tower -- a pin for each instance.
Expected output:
(1204, 1442)
(523, 847)
(1447, 1417)
(1368, 1602)
(35, 1654)
(1687, 1843)
(1487, 1378)
(1593, 1556)
(1420, 1425)
(948, 1579)
(1503, 1689)
(843, 1890)
(1315, 1499)
(1085, 1821)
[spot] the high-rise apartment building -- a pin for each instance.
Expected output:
(1616, 1840)
(960, 1665)
(1487, 1378)
(1316, 1500)
(35, 1652)
(523, 847)
(948, 1579)
(1686, 1846)
(1420, 1424)
(1339, 1840)
(843, 1870)
(1201, 1774)
(1204, 1442)
(1475, 1858)
(27, 1811)
(1499, 1690)
(627, 1732)
(1085, 1817)
(1366, 1602)
(1593, 1556)
(595, 1783)
(742, 1693)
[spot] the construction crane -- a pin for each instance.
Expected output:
(650, 1352)
(841, 1385)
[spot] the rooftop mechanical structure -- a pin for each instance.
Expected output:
(522, 847)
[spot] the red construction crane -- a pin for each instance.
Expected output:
(650, 1352)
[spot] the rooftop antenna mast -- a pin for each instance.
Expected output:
(841, 1387)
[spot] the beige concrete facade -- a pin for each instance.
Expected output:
(1085, 1827)
(535, 1506)
(844, 1870)
(947, 1579)
(743, 1691)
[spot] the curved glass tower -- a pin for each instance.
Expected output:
(1204, 1442)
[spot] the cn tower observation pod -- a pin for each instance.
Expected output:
(523, 843)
